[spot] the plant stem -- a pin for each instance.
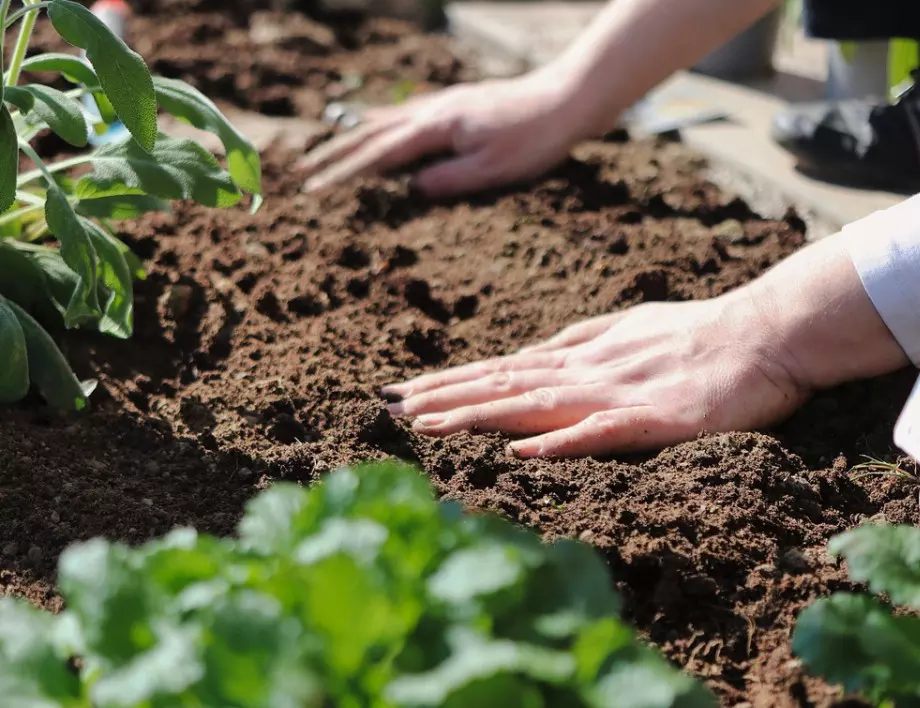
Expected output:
(22, 44)
(4, 11)
(25, 11)
(32, 155)
(29, 198)
(11, 216)
(27, 177)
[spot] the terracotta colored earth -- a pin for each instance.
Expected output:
(262, 340)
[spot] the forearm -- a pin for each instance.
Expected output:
(633, 45)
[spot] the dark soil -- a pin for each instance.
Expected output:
(262, 340)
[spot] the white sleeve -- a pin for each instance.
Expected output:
(885, 249)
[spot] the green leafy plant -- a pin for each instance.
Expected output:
(859, 641)
(60, 257)
(362, 591)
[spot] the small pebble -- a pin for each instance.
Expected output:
(11, 549)
(55, 517)
(147, 502)
(244, 473)
(35, 555)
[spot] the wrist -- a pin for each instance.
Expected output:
(581, 108)
(816, 321)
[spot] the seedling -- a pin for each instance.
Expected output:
(60, 258)
(859, 641)
(880, 468)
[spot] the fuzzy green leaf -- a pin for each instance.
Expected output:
(121, 207)
(187, 103)
(48, 369)
(60, 282)
(122, 73)
(70, 67)
(115, 276)
(173, 169)
(9, 159)
(14, 358)
(21, 278)
(79, 255)
(76, 71)
(887, 557)
(61, 113)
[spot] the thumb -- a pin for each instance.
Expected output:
(466, 173)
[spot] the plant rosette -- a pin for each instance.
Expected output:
(361, 591)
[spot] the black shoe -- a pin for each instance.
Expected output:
(856, 142)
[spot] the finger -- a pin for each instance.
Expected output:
(536, 411)
(576, 334)
(460, 175)
(401, 110)
(476, 370)
(342, 145)
(493, 387)
(390, 149)
(631, 429)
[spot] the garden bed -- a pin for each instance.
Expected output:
(262, 340)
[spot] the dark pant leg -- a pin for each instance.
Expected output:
(862, 20)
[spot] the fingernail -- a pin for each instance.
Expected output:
(396, 409)
(525, 449)
(390, 395)
(428, 422)
(313, 185)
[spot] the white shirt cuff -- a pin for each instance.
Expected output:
(885, 249)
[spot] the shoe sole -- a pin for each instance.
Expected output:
(845, 174)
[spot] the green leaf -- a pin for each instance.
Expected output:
(9, 159)
(59, 281)
(120, 207)
(167, 669)
(252, 656)
(79, 255)
(648, 681)
(271, 522)
(122, 73)
(115, 276)
(70, 67)
(887, 557)
(14, 358)
(61, 113)
(48, 369)
(32, 675)
(173, 169)
(854, 640)
(187, 103)
(111, 601)
(21, 278)
(76, 71)
(476, 658)
(470, 573)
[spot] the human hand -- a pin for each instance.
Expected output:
(652, 376)
(500, 131)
